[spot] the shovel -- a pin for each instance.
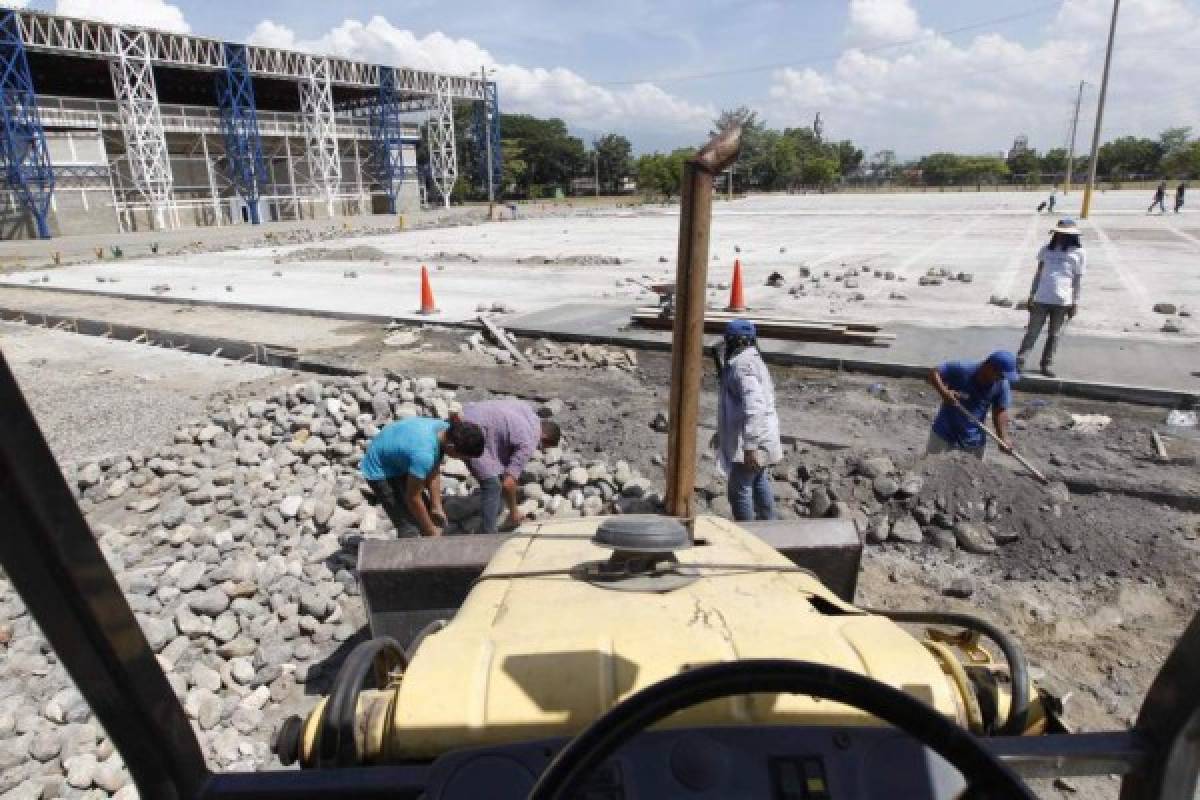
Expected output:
(991, 435)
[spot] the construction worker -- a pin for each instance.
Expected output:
(747, 424)
(1055, 292)
(1180, 191)
(402, 466)
(969, 389)
(512, 432)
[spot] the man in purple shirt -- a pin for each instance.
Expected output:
(512, 432)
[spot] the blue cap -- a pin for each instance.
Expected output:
(740, 327)
(1006, 363)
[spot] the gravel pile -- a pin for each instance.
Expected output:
(360, 252)
(235, 545)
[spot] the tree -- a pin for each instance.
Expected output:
(553, 157)
(1130, 155)
(753, 144)
(1173, 140)
(512, 165)
(849, 157)
(981, 169)
(1184, 162)
(615, 162)
(1054, 162)
(819, 171)
(940, 169)
(1025, 162)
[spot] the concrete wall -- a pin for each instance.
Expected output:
(72, 212)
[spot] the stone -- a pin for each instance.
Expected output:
(226, 627)
(289, 507)
(876, 467)
(911, 484)
(81, 770)
(878, 529)
(45, 746)
(578, 476)
(1165, 308)
(973, 538)
(351, 498)
(885, 487)
(28, 789)
(942, 538)
(205, 677)
(1171, 326)
(210, 602)
(111, 776)
(820, 502)
(961, 588)
(905, 529)
(659, 423)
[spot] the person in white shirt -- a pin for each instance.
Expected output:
(747, 424)
(1055, 292)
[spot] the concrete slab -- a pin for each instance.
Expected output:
(1081, 358)
(1135, 260)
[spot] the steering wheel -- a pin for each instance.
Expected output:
(986, 776)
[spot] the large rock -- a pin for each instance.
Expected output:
(973, 538)
(876, 467)
(906, 529)
(210, 602)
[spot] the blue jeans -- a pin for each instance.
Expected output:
(750, 494)
(489, 489)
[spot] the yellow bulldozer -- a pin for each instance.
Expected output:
(636, 656)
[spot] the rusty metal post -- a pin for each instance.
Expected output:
(687, 342)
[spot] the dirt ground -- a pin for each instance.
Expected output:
(1097, 587)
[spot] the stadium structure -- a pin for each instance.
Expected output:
(111, 128)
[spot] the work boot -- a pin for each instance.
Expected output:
(1048, 371)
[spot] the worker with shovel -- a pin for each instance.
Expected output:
(969, 389)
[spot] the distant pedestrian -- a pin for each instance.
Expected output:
(972, 388)
(402, 466)
(512, 433)
(1052, 201)
(1160, 198)
(1054, 294)
(1180, 190)
(747, 424)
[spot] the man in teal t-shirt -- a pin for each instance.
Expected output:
(402, 467)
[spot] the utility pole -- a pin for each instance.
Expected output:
(487, 140)
(596, 162)
(1087, 190)
(1071, 149)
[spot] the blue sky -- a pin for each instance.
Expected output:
(899, 74)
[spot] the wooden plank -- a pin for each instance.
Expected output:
(497, 335)
(727, 315)
(778, 331)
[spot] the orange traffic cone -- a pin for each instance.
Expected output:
(737, 300)
(427, 304)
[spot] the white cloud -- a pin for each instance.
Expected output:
(883, 20)
(143, 13)
(977, 95)
(14, 3)
(554, 91)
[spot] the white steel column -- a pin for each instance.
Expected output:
(212, 181)
(320, 129)
(443, 156)
(291, 171)
(141, 123)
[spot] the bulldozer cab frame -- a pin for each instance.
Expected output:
(49, 553)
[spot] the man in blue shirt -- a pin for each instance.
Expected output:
(402, 466)
(974, 388)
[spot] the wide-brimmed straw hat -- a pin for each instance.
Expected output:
(1066, 225)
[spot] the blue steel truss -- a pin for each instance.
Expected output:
(239, 123)
(488, 128)
(387, 157)
(23, 154)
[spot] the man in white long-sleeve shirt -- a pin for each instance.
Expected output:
(747, 424)
(1055, 293)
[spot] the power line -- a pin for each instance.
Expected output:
(925, 35)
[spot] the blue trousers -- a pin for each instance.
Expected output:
(750, 493)
(489, 488)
